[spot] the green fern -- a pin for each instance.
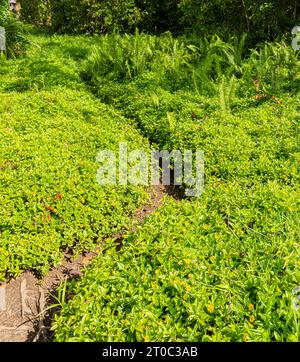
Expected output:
(227, 93)
(274, 65)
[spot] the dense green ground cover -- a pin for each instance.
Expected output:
(51, 130)
(188, 274)
(222, 267)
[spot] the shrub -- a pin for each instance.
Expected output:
(81, 17)
(16, 37)
(37, 12)
(262, 20)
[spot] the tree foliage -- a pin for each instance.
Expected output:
(3, 10)
(262, 19)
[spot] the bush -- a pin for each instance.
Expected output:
(82, 17)
(36, 12)
(16, 36)
(262, 20)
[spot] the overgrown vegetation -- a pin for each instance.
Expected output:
(209, 67)
(262, 20)
(16, 38)
(222, 267)
(219, 269)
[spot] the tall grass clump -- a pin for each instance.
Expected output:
(208, 67)
(128, 56)
(273, 66)
(121, 56)
(16, 37)
(217, 59)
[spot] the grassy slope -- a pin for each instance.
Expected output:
(51, 130)
(219, 268)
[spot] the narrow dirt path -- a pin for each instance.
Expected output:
(24, 300)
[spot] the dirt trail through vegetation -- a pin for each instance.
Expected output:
(23, 300)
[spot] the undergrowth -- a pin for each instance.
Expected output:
(222, 267)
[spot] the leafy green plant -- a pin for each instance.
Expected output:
(274, 65)
(82, 17)
(3, 10)
(122, 56)
(16, 37)
(227, 93)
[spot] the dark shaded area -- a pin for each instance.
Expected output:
(262, 20)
